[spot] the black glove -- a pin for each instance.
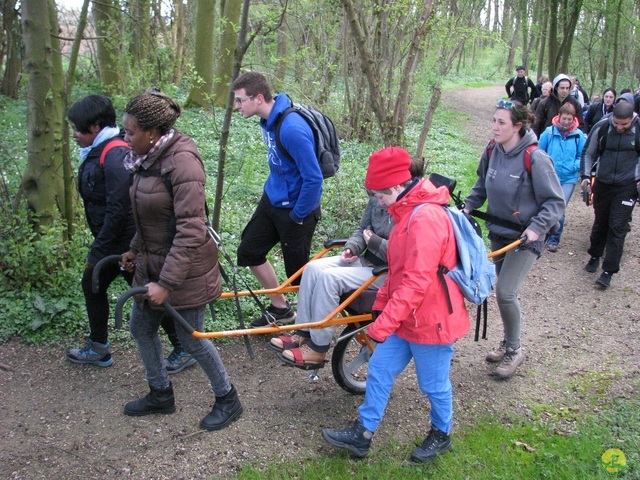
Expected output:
(375, 314)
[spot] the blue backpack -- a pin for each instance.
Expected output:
(474, 273)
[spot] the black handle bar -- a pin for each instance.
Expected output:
(166, 305)
(95, 276)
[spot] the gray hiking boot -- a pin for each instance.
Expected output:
(512, 359)
(177, 361)
(93, 353)
(496, 355)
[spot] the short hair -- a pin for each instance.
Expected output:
(567, 109)
(254, 83)
(154, 109)
(623, 110)
(92, 110)
(548, 85)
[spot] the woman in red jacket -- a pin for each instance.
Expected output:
(411, 311)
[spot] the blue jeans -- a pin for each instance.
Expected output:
(567, 190)
(144, 325)
(391, 357)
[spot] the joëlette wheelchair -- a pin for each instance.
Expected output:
(353, 348)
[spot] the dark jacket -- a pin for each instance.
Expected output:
(185, 263)
(618, 164)
(549, 107)
(595, 114)
(377, 219)
(521, 87)
(105, 194)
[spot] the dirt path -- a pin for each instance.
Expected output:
(60, 420)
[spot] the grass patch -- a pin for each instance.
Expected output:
(491, 449)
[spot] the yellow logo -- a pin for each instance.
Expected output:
(614, 461)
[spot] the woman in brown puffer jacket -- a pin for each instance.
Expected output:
(172, 254)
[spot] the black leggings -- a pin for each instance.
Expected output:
(98, 304)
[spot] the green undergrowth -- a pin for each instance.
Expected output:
(509, 448)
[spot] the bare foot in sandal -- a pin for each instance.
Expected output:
(303, 357)
(285, 342)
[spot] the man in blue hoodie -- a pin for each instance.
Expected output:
(290, 205)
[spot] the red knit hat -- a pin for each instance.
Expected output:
(387, 168)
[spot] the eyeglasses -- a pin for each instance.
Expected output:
(506, 104)
(240, 101)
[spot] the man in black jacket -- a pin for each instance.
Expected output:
(521, 85)
(616, 186)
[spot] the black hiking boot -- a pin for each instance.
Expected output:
(156, 401)
(604, 280)
(436, 442)
(592, 265)
(354, 438)
(225, 410)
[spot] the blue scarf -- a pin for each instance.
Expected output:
(105, 134)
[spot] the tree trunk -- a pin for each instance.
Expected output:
(616, 35)
(230, 18)
(140, 46)
(107, 20)
(178, 40)
(42, 181)
(13, 43)
(282, 62)
(553, 38)
(428, 119)
(200, 93)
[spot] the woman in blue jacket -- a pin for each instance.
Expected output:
(564, 141)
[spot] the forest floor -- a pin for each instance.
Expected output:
(60, 420)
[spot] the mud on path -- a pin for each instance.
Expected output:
(59, 420)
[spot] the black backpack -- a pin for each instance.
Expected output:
(324, 133)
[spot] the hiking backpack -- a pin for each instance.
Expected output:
(474, 273)
(324, 133)
(527, 166)
(116, 142)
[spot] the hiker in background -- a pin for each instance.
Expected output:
(171, 253)
(614, 144)
(523, 88)
(326, 279)
(519, 203)
(548, 108)
(585, 95)
(411, 311)
(103, 185)
(289, 209)
(564, 141)
(546, 91)
(542, 79)
(597, 110)
(576, 93)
